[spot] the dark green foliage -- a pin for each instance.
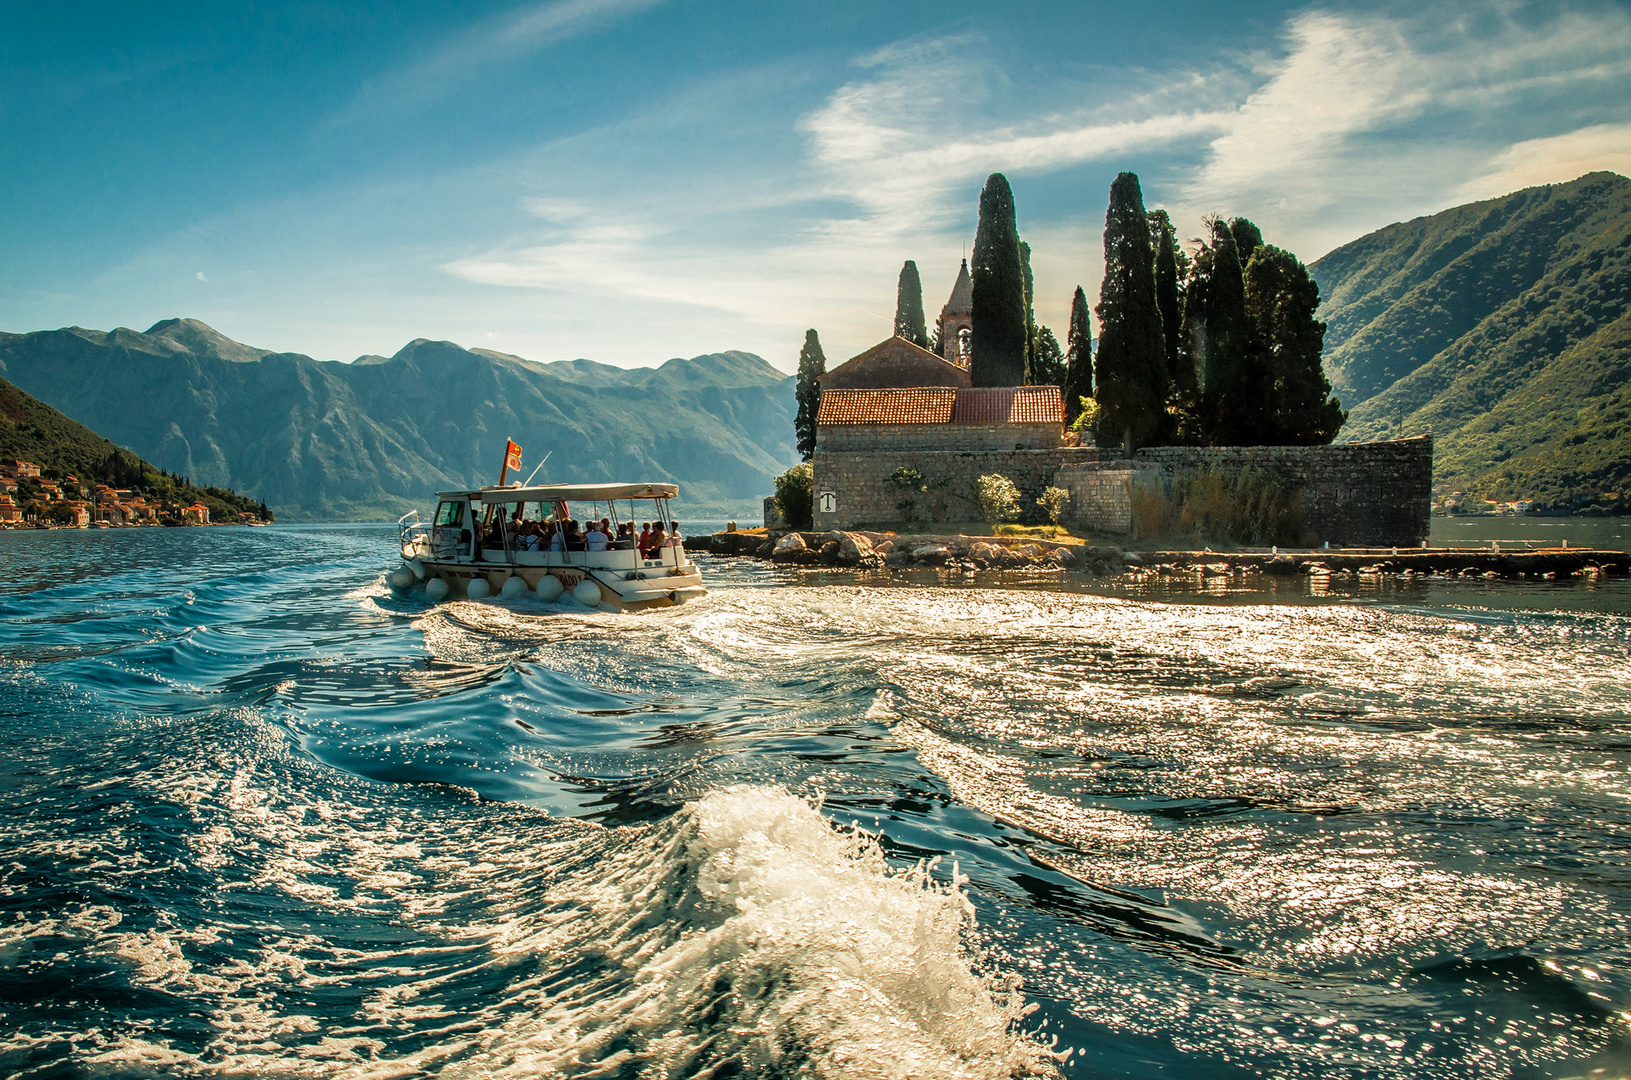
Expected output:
(1247, 237)
(1185, 388)
(1505, 327)
(909, 321)
(1249, 506)
(1047, 359)
(999, 335)
(795, 495)
(1233, 383)
(1078, 357)
(1030, 315)
(1130, 369)
(31, 430)
(1286, 339)
(812, 365)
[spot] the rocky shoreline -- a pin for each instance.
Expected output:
(879, 551)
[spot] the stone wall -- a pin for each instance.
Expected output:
(864, 493)
(890, 437)
(1101, 494)
(1357, 494)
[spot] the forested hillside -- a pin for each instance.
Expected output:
(31, 430)
(371, 439)
(1502, 326)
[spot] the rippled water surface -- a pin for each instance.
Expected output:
(259, 815)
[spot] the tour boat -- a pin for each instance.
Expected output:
(473, 548)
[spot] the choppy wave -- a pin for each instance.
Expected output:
(260, 815)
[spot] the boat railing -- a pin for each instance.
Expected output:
(419, 539)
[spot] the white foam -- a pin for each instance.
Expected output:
(750, 926)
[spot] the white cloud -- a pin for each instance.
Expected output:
(201, 276)
(1552, 160)
(494, 40)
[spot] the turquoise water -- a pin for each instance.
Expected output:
(259, 815)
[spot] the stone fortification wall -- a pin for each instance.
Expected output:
(1358, 494)
(842, 438)
(864, 492)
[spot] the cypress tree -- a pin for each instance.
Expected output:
(1281, 297)
(1047, 360)
(1231, 401)
(1078, 357)
(1030, 316)
(1130, 370)
(812, 365)
(998, 340)
(1167, 299)
(909, 321)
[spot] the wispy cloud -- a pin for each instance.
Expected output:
(1552, 160)
(495, 40)
(1360, 119)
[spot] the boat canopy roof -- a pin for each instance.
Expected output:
(568, 493)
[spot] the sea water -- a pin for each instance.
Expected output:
(259, 815)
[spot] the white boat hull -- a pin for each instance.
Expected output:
(626, 581)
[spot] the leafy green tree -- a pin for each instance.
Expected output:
(1052, 501)
(1281, 298)
(795, 495)
(999, 336)
(1130, 369)
(909, 321)
(1047, 359)
(998, 498)
(807, 389)
(1247, 237)
(1233, 397)
(1078, 383)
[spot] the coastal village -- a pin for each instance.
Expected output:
(29, 500)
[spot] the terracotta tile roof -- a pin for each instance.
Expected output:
(906, 405)
(1009, 405)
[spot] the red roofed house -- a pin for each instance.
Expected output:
(941, 418)
(892, 363)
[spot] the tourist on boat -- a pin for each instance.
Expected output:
(675, 540)
(645, 537)
(596, 539)
(575, 540)
(557, 537)
(658, 540)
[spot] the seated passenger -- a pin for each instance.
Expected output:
(654, 547)
(596, 539)
(575, 540)
(645, 537)
(557, 537)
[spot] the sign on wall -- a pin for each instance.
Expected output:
(828, 502)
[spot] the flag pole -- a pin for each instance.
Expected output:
(505, 468)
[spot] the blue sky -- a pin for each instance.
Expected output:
(630, 180)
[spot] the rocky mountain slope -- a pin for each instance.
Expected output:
(325, 440)
(1505, 327)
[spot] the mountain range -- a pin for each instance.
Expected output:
(370, 439)
(1502, 326)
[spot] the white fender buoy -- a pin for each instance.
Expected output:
(416, 568)
(587, 593)
(478, 588)
(513, 587)
(436, 590)
(550, 588)
(401, 579)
